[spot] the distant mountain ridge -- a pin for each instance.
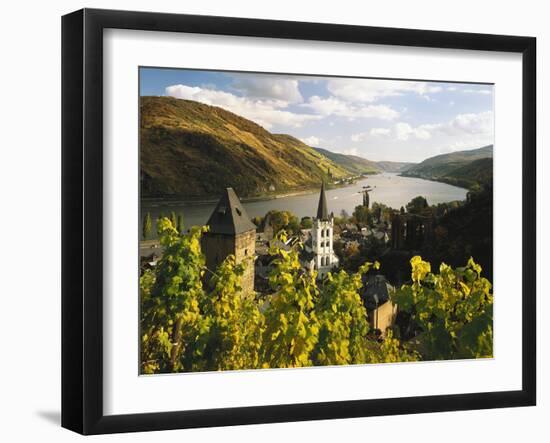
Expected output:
(388, 166)
(352, 163)
(361, 165)
(461, 168)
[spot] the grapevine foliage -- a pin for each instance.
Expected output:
(194, 319)
(452, 309)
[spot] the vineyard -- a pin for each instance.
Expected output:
(198, 319)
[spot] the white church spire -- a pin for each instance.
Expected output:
(324, 258)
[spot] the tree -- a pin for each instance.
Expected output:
(382, 212)
(306, 223)
(147, 225)
(362, 214)
(417, 205)
(350, 255)
(453, 310)
(283, 220)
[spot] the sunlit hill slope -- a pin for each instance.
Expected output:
(192, 150)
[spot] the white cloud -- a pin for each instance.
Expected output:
(380, 131)
(463, 126)
(268, 87)
(404, 131)
(336, 107)
(480, 124)
(370, 90)
(311, 141)
(360, 137)
(478, 91)
(264, 112)
(400, 131)
(473, 124)
(451, 88)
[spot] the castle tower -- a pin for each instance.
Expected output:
(322, 238)
(231, 232)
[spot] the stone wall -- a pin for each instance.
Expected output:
(216, 247)
(245, 249)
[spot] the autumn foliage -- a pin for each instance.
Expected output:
(195, 319)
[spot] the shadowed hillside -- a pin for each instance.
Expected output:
(464, 168)
(192, 150)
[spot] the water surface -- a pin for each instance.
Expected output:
(391, 189)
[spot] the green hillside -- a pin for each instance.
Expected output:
(360, 165)
(192, 150)
(476, 172)
(463, 168)
(388, 166)
(352, 163)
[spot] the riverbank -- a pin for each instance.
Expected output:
(387, 188)
(464, 184)
(197, 202)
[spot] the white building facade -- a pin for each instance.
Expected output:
(321, 255)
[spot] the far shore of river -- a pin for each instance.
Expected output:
(184, 202)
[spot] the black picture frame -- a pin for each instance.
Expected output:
(82, 218)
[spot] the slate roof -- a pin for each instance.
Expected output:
(375, 291)
(322, 209)
(229, 216)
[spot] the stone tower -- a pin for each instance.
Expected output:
(231, 232)
(322, 238)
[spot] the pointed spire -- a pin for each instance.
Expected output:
(322, 209)
(229, 216)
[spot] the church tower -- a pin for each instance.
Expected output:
(324, 257)
(231, 232)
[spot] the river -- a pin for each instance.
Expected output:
(391, 189)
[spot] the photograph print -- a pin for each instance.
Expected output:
(294, 221)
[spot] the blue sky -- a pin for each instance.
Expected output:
(373, 118)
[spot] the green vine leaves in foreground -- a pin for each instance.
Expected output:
(231, 333)
(342, 320)
(292, 326)
(170, 317)
(194, 319)
(453, 309)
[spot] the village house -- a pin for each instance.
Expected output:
(381, 312)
